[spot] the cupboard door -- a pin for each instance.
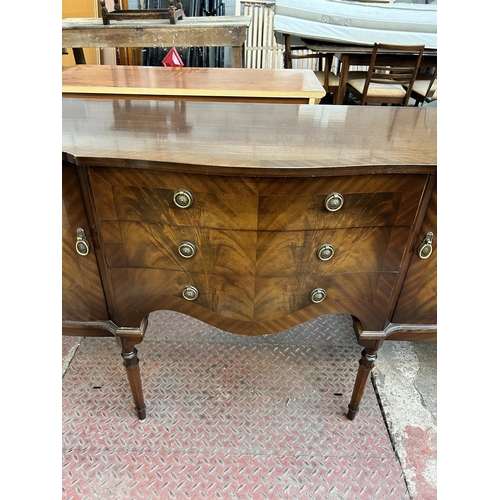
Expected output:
(82, 293)
(417, 303)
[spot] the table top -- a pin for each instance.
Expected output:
(249, 139)
(342, 48)
(159, 80)
(96, 23)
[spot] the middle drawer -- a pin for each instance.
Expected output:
(252, 253)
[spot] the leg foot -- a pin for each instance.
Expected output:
(131, 363)
(366, 363)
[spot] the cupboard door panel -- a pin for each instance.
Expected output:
(417, 303)
(83, 297)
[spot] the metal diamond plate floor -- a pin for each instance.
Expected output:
(228, 417)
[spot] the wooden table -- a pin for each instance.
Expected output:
(357, 55)
(189, 84)
(213, 31)
(253, 223)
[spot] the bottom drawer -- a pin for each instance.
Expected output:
(139, 292)
(362, 292)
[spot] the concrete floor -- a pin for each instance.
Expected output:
(405, 378)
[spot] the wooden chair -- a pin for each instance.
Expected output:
(328, 79)
(390, 76)
(326, 76)
(425, 88)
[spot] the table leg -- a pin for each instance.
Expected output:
(131, 364)
(239, 56)
(366, 364)
(288, 53)
(327, 69)
(79, 55)
(345, 63)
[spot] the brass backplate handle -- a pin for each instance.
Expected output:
(82, 245)
(187, 249)
(325, 252)
(317, 295)
(190, 292)
(183, 198)
(334, 201)
(425, 249)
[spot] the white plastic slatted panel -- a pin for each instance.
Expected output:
(262, 50)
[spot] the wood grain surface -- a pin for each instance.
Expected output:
(83, 297)
(418, 300)
(240, 139)
(248, 306)
(258, 214)
(156, 81)
(191, 32)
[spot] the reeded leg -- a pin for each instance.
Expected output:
(131, 364)
(366, 363)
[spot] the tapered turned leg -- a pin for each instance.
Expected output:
(131, 363)
(366, 363)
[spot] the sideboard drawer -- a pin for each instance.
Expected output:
(179, 248)
(145, 195)
(141, 291)
(277, 297)
(374, 200)
(281, 253)
(248, 253)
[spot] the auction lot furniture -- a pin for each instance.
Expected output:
(388, 82)
(188, 84)
(252, 222)
(360, 55)
(212, 31)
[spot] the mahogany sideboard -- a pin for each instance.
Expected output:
(299, 86)
(251, 221)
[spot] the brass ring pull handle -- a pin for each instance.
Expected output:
(334, 202)
(187, 249)
(425, 249)
(317, 295)
(325, 252)
(183, 198)
(82, 245)
(190, 292)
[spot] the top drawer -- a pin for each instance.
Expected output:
(366, 201)
(270, 204)
(148, 196)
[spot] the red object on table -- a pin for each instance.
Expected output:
(172, 59)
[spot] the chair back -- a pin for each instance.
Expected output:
(395, 65)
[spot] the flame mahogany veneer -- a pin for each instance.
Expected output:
(258, 176)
